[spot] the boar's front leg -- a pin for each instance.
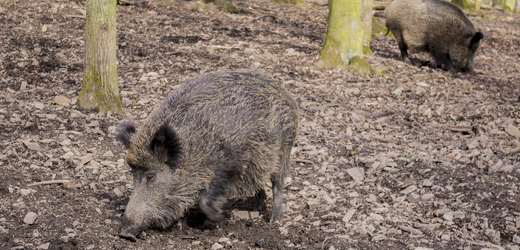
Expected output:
(443, 58)
(213, 200)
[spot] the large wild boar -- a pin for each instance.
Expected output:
(437, 27)
(220, 134)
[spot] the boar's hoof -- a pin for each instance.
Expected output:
(209, 225)
(127, 235)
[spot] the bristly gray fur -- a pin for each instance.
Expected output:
(234, 132)
(437, 27)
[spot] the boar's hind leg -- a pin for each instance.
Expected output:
(278, 184)
(443, 58)
(402, 47)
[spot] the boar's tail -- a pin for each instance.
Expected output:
(387, 30)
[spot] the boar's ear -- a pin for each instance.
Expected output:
(124, 132)
(471, 42)
(165, 144)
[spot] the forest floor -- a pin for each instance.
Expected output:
(415, 158)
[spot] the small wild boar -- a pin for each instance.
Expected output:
(218, 135)
(437, 27)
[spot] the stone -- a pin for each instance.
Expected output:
(313, 204)
(30, 218)
(75, 113)
(32, 145)
(409, 189)
(378, 238)
(44, 246)
(66, 142)
(108, 154)
(474, 144)
(38, 105)
(241, 215)
(254, 214)
(357, 174)
(86, 159)
(496, 167)
(413, 198)
(25, 192)
(512, 130)
(349, 215)
(223, 240)
(118, 192)
(445, 237)
(62, 100)
(427, 197)
(216, 246)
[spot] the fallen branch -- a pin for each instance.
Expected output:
(49, 182)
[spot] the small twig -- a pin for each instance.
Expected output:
(302, 161)
(49, 182)
(260, 17)
(323, 244)
(78, 16)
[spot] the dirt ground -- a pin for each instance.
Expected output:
(414, 158)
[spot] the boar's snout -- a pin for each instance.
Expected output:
(125, 233)
(129, 231)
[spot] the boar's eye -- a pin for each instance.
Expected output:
(150, 177)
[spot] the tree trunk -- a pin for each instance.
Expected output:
(99, 88)
(366, 14)
(348, 36)
(508, 5)
(345, 36)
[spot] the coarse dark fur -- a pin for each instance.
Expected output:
(437, 27)
(221, 134)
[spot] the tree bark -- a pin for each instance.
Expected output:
(344, 37)
(100, 88)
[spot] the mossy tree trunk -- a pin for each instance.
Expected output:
(348, 34)
(99, 88)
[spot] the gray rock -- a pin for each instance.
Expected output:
(358, 174)
(496, 167)
(413, 198)
(349, 215)
(378, 238)
(86, 159)
(62, 100)
(409, 189)
(445, 237)
(254, 214)
(38, 105)
(32, 145)
(312, 204)
(516, 239)
(30, 218)
(241, 215)
(427, 197)
(512, 130)
(43, 246)
(223, 240)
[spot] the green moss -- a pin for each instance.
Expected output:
(93, 95)
(378, 29)
(367, 50)
(362, 67)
